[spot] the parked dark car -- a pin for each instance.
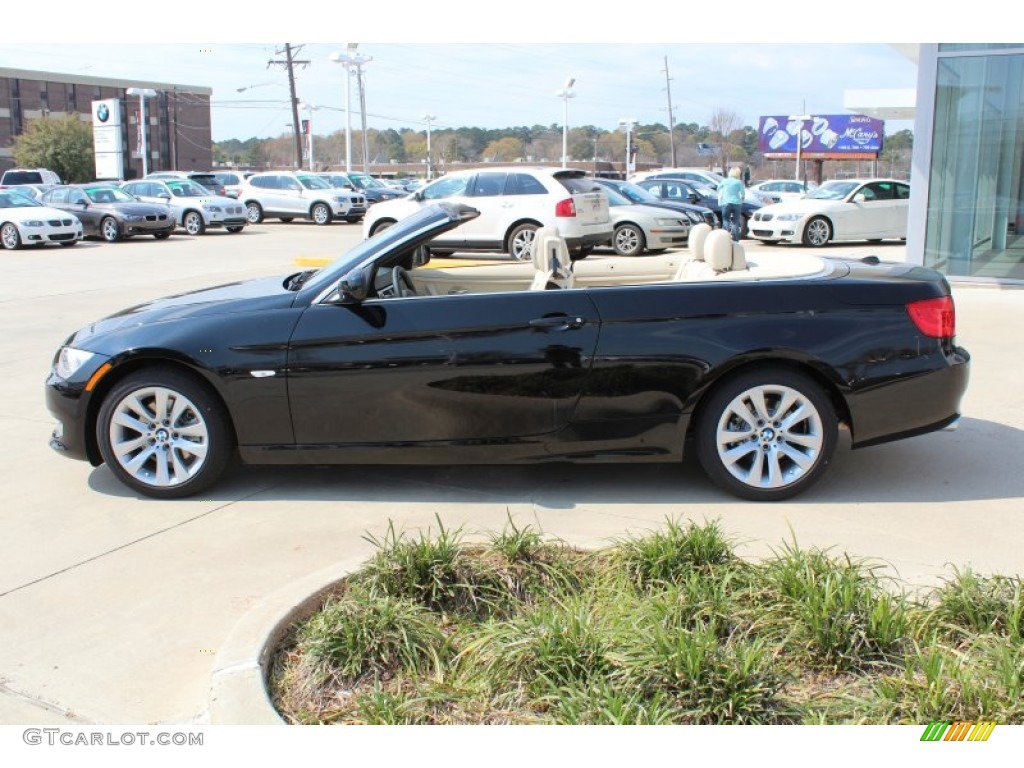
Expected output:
(690, 192)
(372, 189)
(111, 213)
(375, 360)
(637, 194)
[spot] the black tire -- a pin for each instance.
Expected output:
(193, 223)
(782, 457)
(235, 229)
(287, 219)
(380, 226)
(10, 236)
(629, 240)
(818, 232)
(353, 219)
(744, 227)
(145, 459)
(581, 253)
(110, 230)
(321, 214)
(254, 212)
(520, 242)
(162, 235)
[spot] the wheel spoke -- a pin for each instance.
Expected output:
(811, 440)
(128, 421)
(126, 447)
(162, 474)
(135, 465)
(187, 446)
(740, 452)
(801, 459)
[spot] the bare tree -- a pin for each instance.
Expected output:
(723, 123)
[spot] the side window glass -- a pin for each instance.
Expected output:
(489, 184)
(902, 192)
(446, 187)
(525, 184)
(287, 182)
(58, 196)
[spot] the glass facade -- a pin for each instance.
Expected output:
(975, 209)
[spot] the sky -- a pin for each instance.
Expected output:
(502, 71)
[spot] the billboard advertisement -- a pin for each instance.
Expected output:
(835, 134)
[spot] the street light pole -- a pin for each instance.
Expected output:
(143, 94)
(799, 139)
(565, 94)
(628, 123)
(309, 118)
(430, 166)
(349, 59)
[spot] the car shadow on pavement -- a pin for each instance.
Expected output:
(979, 461)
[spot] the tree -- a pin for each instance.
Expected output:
(722, 124)
(504, 150)
(62, 144)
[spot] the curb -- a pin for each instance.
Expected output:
(238, 690)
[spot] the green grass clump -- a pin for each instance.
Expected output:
(668, 628)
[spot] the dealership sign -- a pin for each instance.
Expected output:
(107, 139)
(833, 134)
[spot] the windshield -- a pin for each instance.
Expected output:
(832, 190)
(187, 189)
(314, 182)
(637, 194)
(17, 200)
(367, 182)
(614, 196)
(108, 195)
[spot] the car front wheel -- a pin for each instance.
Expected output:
(520, 242)
(10, 237)
(110, 230)
(254, 212)
(164, 434)
(628, 240)
(321, 214)
(767, 434)
(818, 232)
(193, 223)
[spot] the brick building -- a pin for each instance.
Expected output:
(179, 137)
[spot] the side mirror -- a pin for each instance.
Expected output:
(692, 197)
(354, 287)
(164, 196)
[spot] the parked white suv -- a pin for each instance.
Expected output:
(287, 196)
(514, 202)
(14, 176)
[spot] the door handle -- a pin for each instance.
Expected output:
(559, 322)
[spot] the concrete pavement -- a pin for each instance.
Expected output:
(113, 607)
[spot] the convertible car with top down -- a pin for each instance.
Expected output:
(386, 357)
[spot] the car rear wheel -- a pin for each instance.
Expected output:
(767, 434)
(110, 230)
(164, 434)
(254, 212)
(10, 237)
(193, 223)
(818, 232)
(234, 229)
(162, 235)
(520, 242)
(380, 226)
(320, 213)
(628, 240)
(287, 219)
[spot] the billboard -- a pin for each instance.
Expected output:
(835, 134)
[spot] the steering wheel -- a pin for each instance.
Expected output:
(401, 283)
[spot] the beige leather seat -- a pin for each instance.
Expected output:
(551, 263)
(718, 251)
(693, 267)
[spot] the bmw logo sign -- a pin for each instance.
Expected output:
(103, 112)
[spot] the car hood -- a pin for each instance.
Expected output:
(801, 205)
(641, 211)
(257, 295)
(34, 213)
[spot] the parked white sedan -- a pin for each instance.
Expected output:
(24, 221)
(851, 209)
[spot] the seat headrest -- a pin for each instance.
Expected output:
(718, 250)
(550, 252)
(695, 243)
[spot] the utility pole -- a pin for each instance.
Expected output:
(362, 111)
(290, 63)
(671, 120)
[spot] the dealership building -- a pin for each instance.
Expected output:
(177, 128)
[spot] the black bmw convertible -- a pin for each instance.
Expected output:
(385, 357)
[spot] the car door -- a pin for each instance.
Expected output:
(869, 213)
(486, 192)
(87, 213)
(289, 197)
(440, 368)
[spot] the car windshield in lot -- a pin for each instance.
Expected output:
(187, 189)
(314, 182)
(108, 195)
(17, 200)
(832, 190)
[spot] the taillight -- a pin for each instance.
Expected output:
(565, 208)
(934, 317)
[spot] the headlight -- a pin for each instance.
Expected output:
(695, 217)
(133, 217)
(70, 360)
(668, 222)
(342, 199)
(212, 208)
(32, 223)
(789, 216)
